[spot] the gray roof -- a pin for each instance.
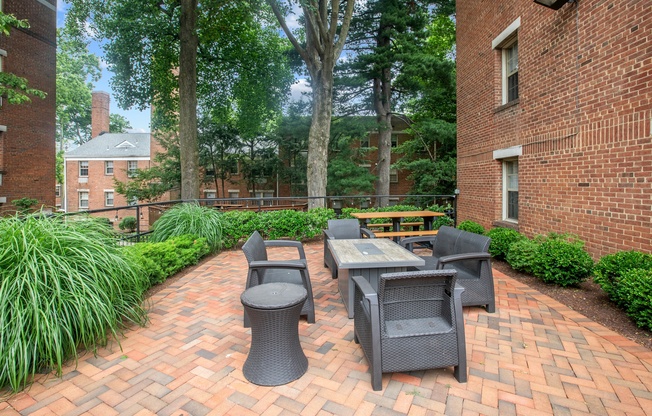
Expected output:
(113, 146)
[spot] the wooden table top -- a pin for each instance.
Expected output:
(372, 253)
(396, 214)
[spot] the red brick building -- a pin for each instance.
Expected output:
(27, 131)
(554, 119)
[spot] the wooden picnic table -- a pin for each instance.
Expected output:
(396, 217)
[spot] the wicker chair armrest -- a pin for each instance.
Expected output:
(409, 241)
(278, 264)
(365, 232)
(464, 256)
(287, 243)
(365, 288)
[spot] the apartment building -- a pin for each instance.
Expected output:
(27, 131)
(554, 118)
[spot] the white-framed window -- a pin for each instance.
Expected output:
(510, 190)
(234, 194)
(510, 72)
(108, 167)
(364, 143)
(210, 194)
(108, 198)
(365, 165)
(394, 140)
(83, 168)
(393, 176)
(132, 201)
(393, 202)
(57, 190)
(83, 199)
(132, 165)
(264, 194)
(507, 44)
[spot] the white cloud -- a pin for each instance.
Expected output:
(298, 88)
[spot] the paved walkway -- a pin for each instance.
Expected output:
(532, 357)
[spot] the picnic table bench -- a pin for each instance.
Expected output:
(386, 226)
(407, 233)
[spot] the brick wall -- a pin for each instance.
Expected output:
(27, 148)
(583, 119)
(100, 113)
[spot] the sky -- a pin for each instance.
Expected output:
(140, 120)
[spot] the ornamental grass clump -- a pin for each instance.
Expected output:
(189, 218)
(64, 285)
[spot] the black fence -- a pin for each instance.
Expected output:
(146, 214)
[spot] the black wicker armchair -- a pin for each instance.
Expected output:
(262, 270)
(414, 322)
(468, 253)
(341, 229)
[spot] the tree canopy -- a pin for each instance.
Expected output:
(320, 44)
(77, 70)
(180, 55)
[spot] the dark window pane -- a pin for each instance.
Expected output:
(512, 205)
(512, 87)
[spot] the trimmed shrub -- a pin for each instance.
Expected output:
(471, 226)
(610, 268)
(64, 285)
(158, 261)
(239, 225)
(635, 285)
(189, 218)
(521, 254)
(562, 262)
(501, 240)
(128, 224)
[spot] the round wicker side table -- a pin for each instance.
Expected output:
(275, 356)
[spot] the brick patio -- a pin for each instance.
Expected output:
(533, 356)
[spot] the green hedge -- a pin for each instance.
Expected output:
(501, 240)
(521, 254)
(610, 269)
(472, 227)
(562, 262)
(158, 261)
(239, 225)
(636, 287)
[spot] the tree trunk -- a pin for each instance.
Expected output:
(382, 105)
(320, 132)
(188, 143)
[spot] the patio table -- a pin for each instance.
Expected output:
(368, 257)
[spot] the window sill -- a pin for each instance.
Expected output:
(510, 104)
(506, 224)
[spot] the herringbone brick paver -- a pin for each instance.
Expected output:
(532, 357)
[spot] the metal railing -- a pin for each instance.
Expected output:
(146, 214)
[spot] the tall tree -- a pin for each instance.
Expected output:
(431, 155)
(77, 70)
(325, 27)
(174, 54)
(386, 44)
(219, 149)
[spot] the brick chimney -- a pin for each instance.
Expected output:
(99, 113)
